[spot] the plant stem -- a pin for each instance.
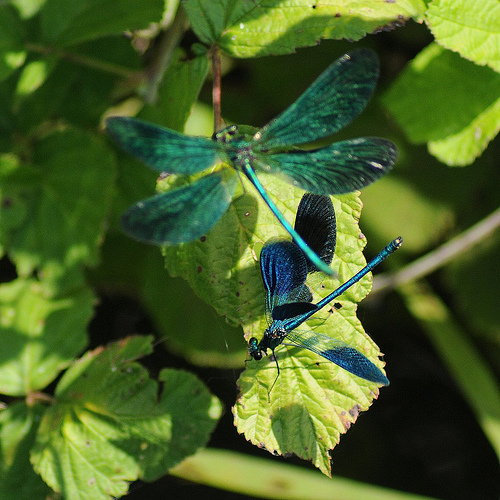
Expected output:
(82, 60)
(216, 90)
(439, 257)
(167, 42)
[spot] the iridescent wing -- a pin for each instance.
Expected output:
(163, 149)
(338, 96)
(338, 352)
(315, 222)
(182, 214)
(284, 272)
(340, 168)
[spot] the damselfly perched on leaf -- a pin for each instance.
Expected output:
(284, 271)
(329, 104)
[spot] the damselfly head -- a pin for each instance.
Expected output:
(254, 350)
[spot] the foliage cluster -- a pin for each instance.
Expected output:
(86, 424)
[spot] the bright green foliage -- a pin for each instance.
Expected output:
(469, 27)
(107, 425)
(41, 333)
(250, 28)
(313, 401)
(54, 209)
(456, 118)
(64, 65)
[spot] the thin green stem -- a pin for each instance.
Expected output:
(89, 62)
(439, 257)
(164, 50)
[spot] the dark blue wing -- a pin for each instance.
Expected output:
(182, 214)
(338, 352)
(284, 272)
(340, 168)
(292, 310)
(163, 149)
(315, 222)
(339, 94)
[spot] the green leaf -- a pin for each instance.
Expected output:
(110, 425)
(468, 27)
(12, 54)
(245, 28)
(67, 23)
(226, 274)
(64, 198)
(471, 372)
(313, 401)
(94, 85)
(41, 334)
(455, 119)
(18, 427)
(178, 92)
(77, 86)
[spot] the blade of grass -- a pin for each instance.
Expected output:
(264, 478)
(470, 371)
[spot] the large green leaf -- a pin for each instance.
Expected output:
(313, 401)
(454, 118)
(469, 27)
(68, 23)
(64, 199)
(222, 266)
(110, 425)
(41, 334)
(245, 28)
(18, 426)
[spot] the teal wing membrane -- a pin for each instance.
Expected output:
(338, 352)
(182, 214)
(163, 149)
(340, 168)
(338, 96)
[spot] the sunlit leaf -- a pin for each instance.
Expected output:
(41, 334)
(110, 425)
(468, 27)
(250, 28)
(313, 401)
(64, 199)
(454, 118)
